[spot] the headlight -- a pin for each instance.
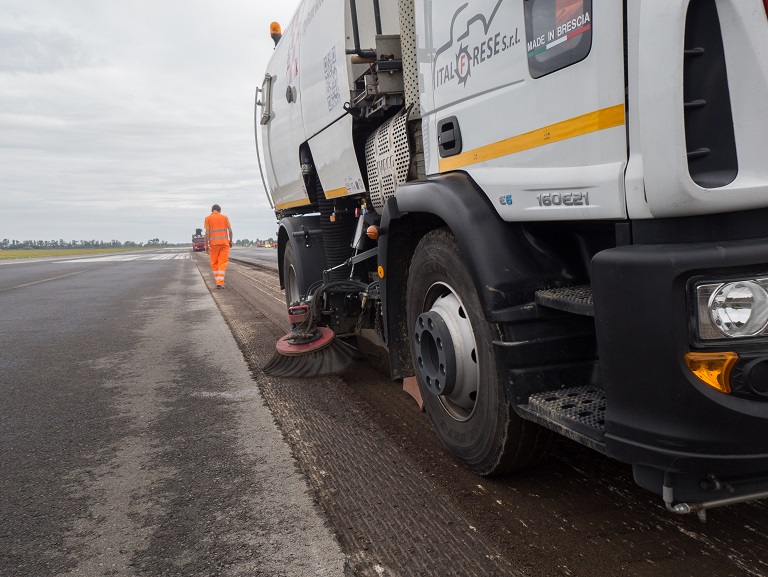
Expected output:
(733, 309)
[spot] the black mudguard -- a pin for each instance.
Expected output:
(309, 251)
(506, 262)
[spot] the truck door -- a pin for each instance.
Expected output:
(283, 124)
(527, 96)
(326, 78)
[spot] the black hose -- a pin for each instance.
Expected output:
(347, 286)
(377, 15)
(356, 33)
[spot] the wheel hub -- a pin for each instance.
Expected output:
(445, 352)
(436, 359)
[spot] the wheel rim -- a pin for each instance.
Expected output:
(292, 295)
(443, 302)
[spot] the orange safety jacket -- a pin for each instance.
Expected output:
(217, 225)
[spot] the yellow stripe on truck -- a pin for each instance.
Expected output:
(292, 204)
(578, 126)
(336, 192)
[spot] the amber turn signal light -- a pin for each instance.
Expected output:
(372, 232)
(713, 369)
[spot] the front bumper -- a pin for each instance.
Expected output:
(659, 416)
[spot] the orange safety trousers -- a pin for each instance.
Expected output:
(219, 258)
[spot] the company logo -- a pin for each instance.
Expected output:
(478, 43)
(463, 65)
(505, 200)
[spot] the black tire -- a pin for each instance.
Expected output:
(471, 417)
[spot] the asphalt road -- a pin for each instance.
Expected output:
(139, 436)
(400, 505)
(133, 438)
(264, 257)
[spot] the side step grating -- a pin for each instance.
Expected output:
(572, 299)
(578, 413)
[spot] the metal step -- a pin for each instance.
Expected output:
(577, 413)
(572, 299)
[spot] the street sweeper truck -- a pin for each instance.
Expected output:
(552, 213)
(198, 240)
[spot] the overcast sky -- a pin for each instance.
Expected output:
(128, 119)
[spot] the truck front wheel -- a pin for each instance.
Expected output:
(452, 350)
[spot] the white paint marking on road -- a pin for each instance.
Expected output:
(126, 258)
(43, 280)
(242, 394)
(268, 292)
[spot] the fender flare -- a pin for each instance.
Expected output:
(506, 262)
(310, 261)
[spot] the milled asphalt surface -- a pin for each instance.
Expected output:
(133, 438)
(400, 505)
(134, 441)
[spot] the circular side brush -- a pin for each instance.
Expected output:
(325, 355)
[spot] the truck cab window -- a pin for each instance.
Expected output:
(558, 34)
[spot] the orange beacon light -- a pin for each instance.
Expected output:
(275, 32)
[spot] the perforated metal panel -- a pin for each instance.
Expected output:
(408, 48)
(388, 157)
(582, 405)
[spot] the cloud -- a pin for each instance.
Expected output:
(39, 51)
(129, 119)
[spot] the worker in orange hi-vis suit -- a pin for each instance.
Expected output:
(218, 240)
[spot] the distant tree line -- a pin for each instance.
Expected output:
(7, 244)
(258, 242)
